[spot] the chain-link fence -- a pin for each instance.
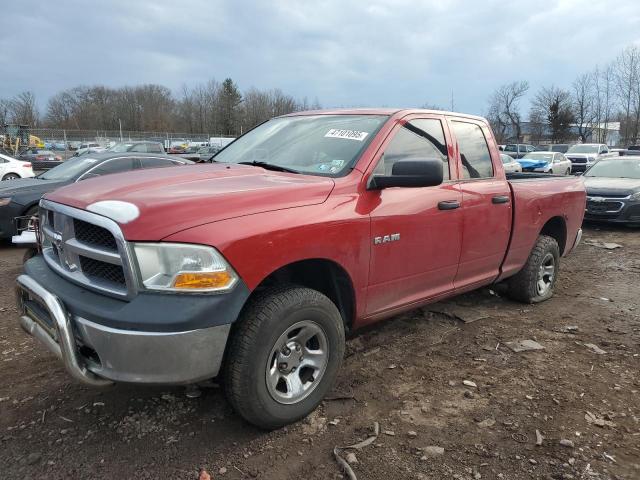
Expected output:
(53, 137)
(68, 140)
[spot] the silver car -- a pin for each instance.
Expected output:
(510, 164)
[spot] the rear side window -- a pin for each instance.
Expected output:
(157, 162)
(474, 152)
(114, 166)
(154, 148)
(511, 148)
(139, 148)
(421, 139)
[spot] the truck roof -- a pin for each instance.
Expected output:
(397, 112)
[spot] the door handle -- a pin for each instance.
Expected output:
(448, 205)
(500, 199)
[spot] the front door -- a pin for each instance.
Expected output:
(416, 232)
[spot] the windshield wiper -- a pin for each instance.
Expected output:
(269, 166)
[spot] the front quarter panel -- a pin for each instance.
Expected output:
(258, 245)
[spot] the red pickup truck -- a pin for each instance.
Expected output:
(253, 268)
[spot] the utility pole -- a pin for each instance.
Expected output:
(120, 123)
(452, 104)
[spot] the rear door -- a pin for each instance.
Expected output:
(486, 204)
(416, 232)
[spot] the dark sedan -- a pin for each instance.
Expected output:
(613, 191)
(40, 159)
(20, 197)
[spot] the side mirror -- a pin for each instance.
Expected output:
(410, 174)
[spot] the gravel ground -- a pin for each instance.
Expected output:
(451, 399)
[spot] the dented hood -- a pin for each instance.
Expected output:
(177, 198)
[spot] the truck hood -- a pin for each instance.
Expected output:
(602, 186)
(177, 198)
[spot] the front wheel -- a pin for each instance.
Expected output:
(283, 355)
(537, 279)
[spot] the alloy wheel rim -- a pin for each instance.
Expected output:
(546, 274)
(297, 362)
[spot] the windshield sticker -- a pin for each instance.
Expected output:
(348, 134)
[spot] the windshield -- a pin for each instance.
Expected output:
(615, 169)
(583, 149)
(70, 169)
(121, 147)
(314, 144)
(547, 157)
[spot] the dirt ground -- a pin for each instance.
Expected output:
(406, 374)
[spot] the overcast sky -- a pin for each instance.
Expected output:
(344, 52)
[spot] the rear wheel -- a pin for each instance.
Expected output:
(283, 355)
(11, 176)
(537, 279)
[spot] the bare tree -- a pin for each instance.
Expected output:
(504, 109)
(603, 92)
(627, 78)
(553, 105)
(584, 105)
(23, 109)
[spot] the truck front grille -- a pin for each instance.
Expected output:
(88, 249)
(94, 235)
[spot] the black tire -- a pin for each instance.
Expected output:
(263, 322)
(524, 286)
(11, 176)
(551, 172)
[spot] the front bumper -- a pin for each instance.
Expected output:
(98, 354)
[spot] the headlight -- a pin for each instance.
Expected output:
(182, 267)
(5, 201)
(634, 197)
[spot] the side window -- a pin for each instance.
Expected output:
(114, 166)
(510, 148)
(152, 162)
(474, 152)
(139, 148)
(154, 148)
(416, 140)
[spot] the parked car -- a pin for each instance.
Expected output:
(308, 226)
(41, 160)
(11, 168)
(510, 164)
(90, 147)
(583, 155)
(137, 146)
(634, 147)
(55, 145)
(545, 162)
(205, 153)
(554, 147)
(518, 150)
(20, 197)
(613, 191)
(176, 149)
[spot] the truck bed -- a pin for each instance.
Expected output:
(517, 176)
(537, 198)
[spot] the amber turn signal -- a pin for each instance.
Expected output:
(203, 280)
